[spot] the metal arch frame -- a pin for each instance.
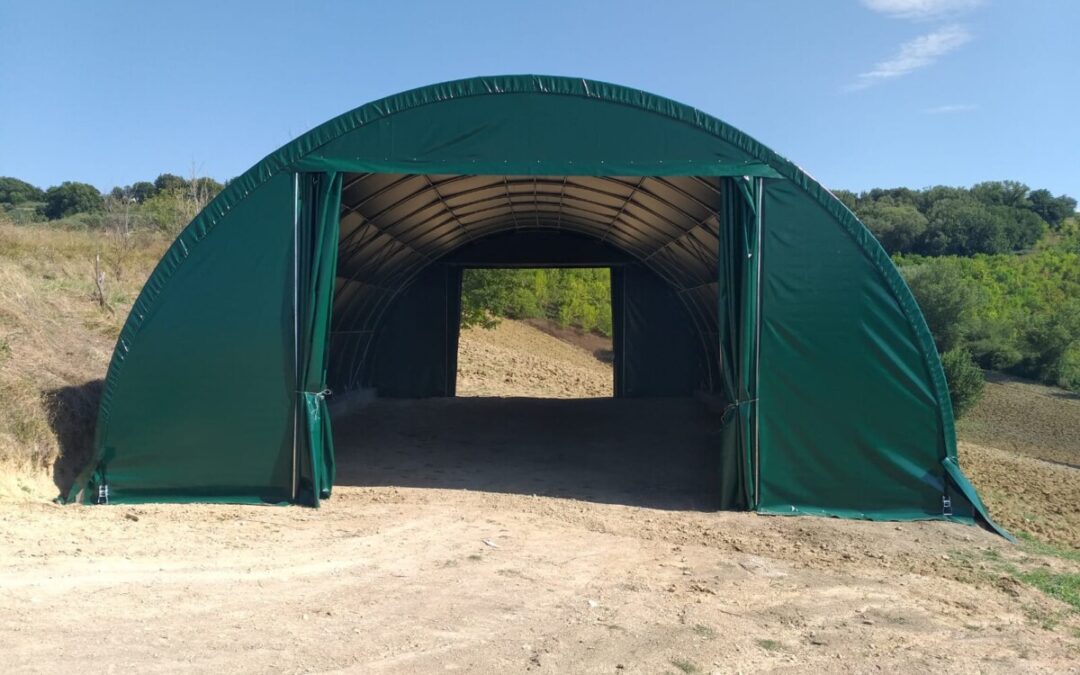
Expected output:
(641, 239)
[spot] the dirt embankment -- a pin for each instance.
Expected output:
(516, 359)
(56, 338)
(1021, 447)
(1026, 495)
(1026, 418)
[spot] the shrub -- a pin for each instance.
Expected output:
(572, 297)
(965, 380)
(70, 198)
(948, 300)
(1052, 345)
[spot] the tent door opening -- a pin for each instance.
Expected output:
(538, 332)
(396, 307)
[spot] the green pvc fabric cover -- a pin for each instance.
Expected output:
(837, 403)
(736, 264)
(319, 205)
(199, 399)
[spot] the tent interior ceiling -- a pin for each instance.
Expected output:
(395, 225)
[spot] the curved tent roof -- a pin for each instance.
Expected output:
(838, 404)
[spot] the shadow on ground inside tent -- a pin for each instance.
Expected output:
(659, 453)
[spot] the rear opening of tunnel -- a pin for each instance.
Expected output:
(535, 333)
(428, 393)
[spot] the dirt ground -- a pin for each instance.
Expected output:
(405, 580)
(1051, 428)
(452, 546)
(1020, 445)
(1026, 494)
(516, 359)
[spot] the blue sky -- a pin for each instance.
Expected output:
(861, 93)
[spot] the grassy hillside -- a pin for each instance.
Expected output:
(57, 334)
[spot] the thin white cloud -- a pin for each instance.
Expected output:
(921, 9)
(950, 108)
(915, 54)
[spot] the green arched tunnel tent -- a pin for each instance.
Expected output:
(317, 267)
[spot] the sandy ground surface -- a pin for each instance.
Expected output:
(451, 545)
(405, 580)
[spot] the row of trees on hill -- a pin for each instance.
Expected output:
(991, 217)
(167, 203)
(1018, 314)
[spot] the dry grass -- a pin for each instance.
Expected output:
(56, 338)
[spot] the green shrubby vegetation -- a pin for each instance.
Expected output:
(14, 191)
(1014, 313)
(571, 297)
(166, 204)
(70, 198)
(965, 379)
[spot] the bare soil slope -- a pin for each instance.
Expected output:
(516, 359)
(1026, 418)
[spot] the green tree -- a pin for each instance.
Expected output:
(1054, 210)
(963, 226)
(571, 297)
(1022, 227)
(895, 196)
(948, 300)
(1002, 193)
(70, 198)
(168, 182)
(848, 198)
(206, 188)
(965, 380)
(899, 227)
(1052, 345)
(14, 191)
(142, 190)
(930, 196)
(485, 296)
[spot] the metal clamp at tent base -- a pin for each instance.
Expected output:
(946, 505)
(102, 494)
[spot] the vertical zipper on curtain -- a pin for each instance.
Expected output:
(296, 337)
